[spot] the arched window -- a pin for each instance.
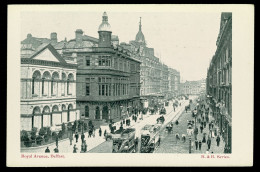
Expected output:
(46, 120)
(36, 111)
(36, 83)
(70, 107)
(97, 116)
(45, 81)
(54, 83)
(69, 84)
(54, 109)
(63, 86)
(86, 111)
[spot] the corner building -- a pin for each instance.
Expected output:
(108, 75)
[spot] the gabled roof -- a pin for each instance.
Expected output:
(35, 42)
(45, 46)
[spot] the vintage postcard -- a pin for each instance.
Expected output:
(130, 85)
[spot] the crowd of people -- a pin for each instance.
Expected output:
(200, 120)
(74, 134)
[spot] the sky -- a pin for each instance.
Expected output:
(185, 41)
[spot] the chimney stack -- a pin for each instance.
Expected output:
(78, 35)
(54, 37)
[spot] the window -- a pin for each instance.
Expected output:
(87, 61)
(87, 89)
(104, 61)
(86, 111)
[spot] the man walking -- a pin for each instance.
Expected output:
(100, 132)
(77, 137)
(82, 137)
(218, 140)
(200, 145)
(71, 138)
(209, 142)
(201, 128)
(57, 140)
(196, 144)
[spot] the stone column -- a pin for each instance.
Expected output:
(100, 113)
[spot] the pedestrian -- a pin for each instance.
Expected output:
(209, 142)
(177, 136)
(47, 150)
(77, 137)
(204, 138)
(82, 137)
(212, 133)
(183, 136)
(100, 132)
(201, 128)
(71, 138)
(174, 109)
(94, 132)
(218, 140)
(199, 120)
(75, 149)
(56, 150)
(57, 140)
(200, 145)
(209, 125)
(205, 124)
(105, 133)
(196, 144)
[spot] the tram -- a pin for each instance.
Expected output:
(150, 138)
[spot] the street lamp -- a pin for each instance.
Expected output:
(189, 133)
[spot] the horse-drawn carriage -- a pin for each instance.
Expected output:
(187, 107)
(160, 120)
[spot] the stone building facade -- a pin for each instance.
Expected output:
(48, 87)
(108, 75)
(219, 79)
(154, 75)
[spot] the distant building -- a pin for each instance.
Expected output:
(48, 87)
(154, 75)
(219, 79)
(193, 87)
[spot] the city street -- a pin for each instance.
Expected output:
(106, 147)
(169, 144)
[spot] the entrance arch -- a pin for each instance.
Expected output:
(105, 113)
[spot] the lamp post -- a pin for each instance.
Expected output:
(195, 115)
(189, 133)
(190, 145)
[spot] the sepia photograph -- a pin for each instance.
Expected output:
(142, 83)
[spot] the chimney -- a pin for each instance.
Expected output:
(29, 35)
(54, 37)
(78, 35)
